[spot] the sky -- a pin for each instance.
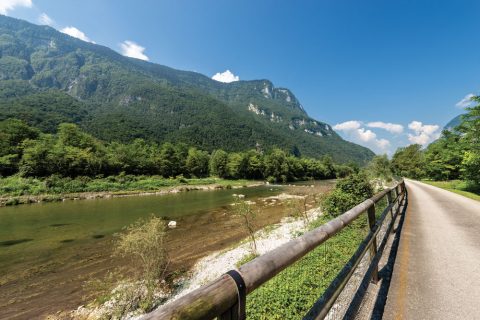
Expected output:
(384, 74)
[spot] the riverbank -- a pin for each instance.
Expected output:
(291, 292)
(213, 265)
(16, 190)
(457, 186)
(51, 250)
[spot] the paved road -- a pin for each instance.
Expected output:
(437, 269)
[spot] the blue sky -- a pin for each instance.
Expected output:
(384, 73)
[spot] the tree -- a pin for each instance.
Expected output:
(253, 162)
(12, 133)
(380, 167)
(236, 165)
(409, 161)
(276, 165)
(197, 163)
(168, 165)
(218, 163)
(36, 159)
(470, 128)
(443, 158)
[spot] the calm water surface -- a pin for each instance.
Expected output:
(49, 250)
(36, 231)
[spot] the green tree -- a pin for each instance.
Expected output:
(12, 133)
(443, 158)
(197, 163)
(276, 165)
(36, 160)
(409, 161)
(470, 128)
(218, 163)
(253, 165)
(380, 167)
(169, 164)
(236, 165)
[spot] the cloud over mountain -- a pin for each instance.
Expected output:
(227, 76)
(133, 50)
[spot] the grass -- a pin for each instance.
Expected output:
(293, 291)
(246, 258)
(17, 186)
(458, 186)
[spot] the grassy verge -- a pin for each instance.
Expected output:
(458, 186)
(292, 292)
(17, 189)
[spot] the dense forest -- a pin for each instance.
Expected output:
(48, 78)
(71, 152)
(455, 155)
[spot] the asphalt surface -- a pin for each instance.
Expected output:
(437, 269)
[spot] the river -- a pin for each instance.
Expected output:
(49, 250)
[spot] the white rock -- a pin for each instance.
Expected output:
(172, 224)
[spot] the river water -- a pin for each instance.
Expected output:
(49, 250)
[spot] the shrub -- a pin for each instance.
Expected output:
(144, 244)
(244, 210)
(348, 193)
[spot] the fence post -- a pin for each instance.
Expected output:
(230, 314)
(373, 247)
(389, 202)
(237, 311)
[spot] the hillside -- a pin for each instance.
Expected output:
(453, 123)
(47, 77)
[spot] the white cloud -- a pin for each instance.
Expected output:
(133, 50)
(347, 125)
(8, 5)
(466, 101)
(382, 143)
(424, 134)
(390, 127)
(74, 32)
(45, 19)
(354, 131)
(226, 77)
(365, 135)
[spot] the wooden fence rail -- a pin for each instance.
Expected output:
(225, 297)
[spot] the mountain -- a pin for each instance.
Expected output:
(47, 77)
(455, 122)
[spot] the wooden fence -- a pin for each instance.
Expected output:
(225, 297)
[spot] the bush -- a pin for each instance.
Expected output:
(348, 193)
(144, 244)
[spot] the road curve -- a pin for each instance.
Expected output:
(437, 269)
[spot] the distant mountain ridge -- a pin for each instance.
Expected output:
(47, 77)
(455, 122)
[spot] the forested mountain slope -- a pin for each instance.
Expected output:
(47, 77)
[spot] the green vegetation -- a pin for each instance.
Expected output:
(15, 186)
(454, 156)
(48, 78)
(73, 161)
(244, 210)
(298, 208)
(457, 186)
(348, 193)
(292, 292)
(246, 258)
(143, 243)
